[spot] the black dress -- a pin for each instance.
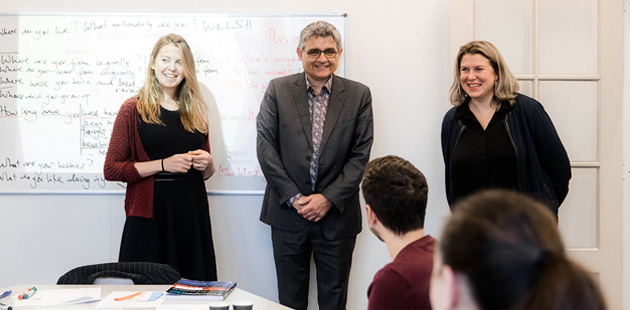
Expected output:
(179, 234)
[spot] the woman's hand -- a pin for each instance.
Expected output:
(179, 163)
(203, 161)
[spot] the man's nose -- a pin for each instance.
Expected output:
(322, 57)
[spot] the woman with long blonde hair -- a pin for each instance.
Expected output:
(159, 146)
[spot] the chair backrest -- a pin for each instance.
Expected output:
(112, 281)
(138, 272)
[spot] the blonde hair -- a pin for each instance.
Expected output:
(505, 87)
(192, 109)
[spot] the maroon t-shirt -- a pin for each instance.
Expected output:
(404, 283)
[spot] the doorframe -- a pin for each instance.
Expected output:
(626, 158)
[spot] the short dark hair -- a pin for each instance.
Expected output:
(508, 247)
(397, 193)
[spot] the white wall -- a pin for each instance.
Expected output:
(400, 49)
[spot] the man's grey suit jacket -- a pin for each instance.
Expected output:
(284, 148)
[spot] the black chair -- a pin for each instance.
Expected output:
(138, 272)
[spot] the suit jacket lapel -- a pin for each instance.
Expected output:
(337, 97)
(301, 104)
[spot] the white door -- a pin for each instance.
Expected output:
(568, 55)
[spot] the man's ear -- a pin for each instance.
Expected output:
(371, 216)
(299, 52)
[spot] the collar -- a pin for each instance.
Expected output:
(327, 86)
(464, 110)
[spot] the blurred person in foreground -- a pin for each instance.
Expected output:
(502, 250)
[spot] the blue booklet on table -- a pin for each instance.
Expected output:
(210, 290)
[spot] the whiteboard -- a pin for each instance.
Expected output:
(63, 78)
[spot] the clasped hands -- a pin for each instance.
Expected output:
(181, 163)
(313, 208)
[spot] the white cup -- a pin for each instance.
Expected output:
(219, 305)
(243, 305)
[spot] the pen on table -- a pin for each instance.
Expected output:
(28, 293)
(127, 297)
(5, 293)
(5, 307)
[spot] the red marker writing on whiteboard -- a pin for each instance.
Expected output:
(28, 293)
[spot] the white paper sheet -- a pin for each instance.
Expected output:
(142, 300)
(61, 297)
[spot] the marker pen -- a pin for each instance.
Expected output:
(127, 297)
(28, 293)
(23, 293)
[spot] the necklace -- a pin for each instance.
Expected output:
(170, 105)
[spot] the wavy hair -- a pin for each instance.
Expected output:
(505, 87)
(192, 109)
(320, 29)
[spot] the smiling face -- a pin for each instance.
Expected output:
(169, 68)
(318, 70)
(476, 76)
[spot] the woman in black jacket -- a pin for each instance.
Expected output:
(495, 137)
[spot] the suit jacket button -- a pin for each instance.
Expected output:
(308, 182)
(308, 157)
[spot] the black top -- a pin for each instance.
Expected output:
(162, 141)
(483, 159)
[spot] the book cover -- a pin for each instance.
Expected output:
(211, 290)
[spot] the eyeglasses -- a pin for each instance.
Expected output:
(329, 53)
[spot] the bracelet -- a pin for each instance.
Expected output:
(163, 165)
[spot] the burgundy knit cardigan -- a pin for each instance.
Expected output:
(125, 149)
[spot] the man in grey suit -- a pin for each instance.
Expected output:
(314, 139)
